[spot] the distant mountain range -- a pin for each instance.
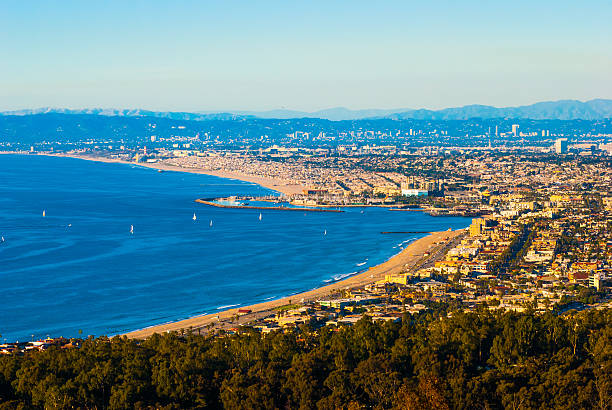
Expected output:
(113, 112)
(551, 110)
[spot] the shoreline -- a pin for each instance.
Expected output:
(406, 259)
(277, 185)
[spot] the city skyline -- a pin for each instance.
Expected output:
(216, 57)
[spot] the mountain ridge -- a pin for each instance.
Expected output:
(594, 109)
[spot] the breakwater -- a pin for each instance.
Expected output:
(403, 232)
(265, 208)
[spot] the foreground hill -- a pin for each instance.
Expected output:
(430, 361)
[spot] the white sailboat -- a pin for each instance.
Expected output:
(2, 239)
(325, 232)
(44, 213)
(132, 229)
(211, 223)
(194, 216)
(260, 216)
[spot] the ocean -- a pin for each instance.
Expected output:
(78, 270)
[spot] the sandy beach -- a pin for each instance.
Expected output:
(271, 183)
(412, 256)
(415, 255)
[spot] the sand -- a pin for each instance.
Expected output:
(411, 257)
(279, 185)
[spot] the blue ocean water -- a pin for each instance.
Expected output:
(78, 268)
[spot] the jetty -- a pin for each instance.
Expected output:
(387, 232)
(265, 208)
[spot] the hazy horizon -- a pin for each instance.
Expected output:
(237, 110)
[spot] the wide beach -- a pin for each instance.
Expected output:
(278, 185)
(412, 256)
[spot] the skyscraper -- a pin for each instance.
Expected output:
(515, 130)
(561, 146)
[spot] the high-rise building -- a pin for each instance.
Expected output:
(561, 146)
(515, 130)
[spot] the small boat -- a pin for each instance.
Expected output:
(260, 216)
(211, 223)
(2, 239)
(325, 232)
(44, 213)
(132, 229)
(194, 216)
(160, 170)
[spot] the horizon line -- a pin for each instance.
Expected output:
(234, 110)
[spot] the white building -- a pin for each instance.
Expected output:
(414, 192)
(561, 146)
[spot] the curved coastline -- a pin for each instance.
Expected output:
(406, 259)
(414, 253)
(282, 187)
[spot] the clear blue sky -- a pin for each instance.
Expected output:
(221, 55)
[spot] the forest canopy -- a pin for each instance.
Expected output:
(477, 360)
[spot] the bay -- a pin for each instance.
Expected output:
(78, 269)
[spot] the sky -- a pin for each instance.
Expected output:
(247, 55)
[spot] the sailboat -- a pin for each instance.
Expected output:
(194, 216)
(211, 223)
(2, 239)
(325, 232)
(260, 216)
(132, 229)
(44, 213)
